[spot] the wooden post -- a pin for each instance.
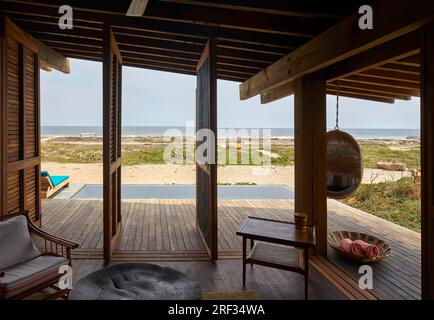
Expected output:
(310, 155)
(427, 149)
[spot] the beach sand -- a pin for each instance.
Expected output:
(91, 173)
(185, 174)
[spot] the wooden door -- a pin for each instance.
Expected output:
(206, 173)
(20, 123)
(112, 87)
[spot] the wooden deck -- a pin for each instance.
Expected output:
(164, 230)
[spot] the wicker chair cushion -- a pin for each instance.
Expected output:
(30, 274)
(16, 246)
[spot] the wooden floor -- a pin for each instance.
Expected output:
(164, 230)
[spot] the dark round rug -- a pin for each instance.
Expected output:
(136, 281)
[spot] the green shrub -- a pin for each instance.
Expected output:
(398, 201)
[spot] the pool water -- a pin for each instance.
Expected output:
(146, 191)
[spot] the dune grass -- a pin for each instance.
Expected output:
(374, 153)
(398, 201)
(135, 154)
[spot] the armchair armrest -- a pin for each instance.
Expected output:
(51, 239)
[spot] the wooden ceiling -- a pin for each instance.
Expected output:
(251, 35)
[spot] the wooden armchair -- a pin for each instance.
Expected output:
(38, 269)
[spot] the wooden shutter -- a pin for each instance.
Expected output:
(112, 87)
(20, 123)
(206, 174)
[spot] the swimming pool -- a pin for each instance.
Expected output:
(149, 191)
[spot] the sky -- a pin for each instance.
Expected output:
(153, 98)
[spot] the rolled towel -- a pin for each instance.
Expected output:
(357, 249)
(345, 244)
(370, 250)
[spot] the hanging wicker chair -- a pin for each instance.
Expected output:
(344, 164)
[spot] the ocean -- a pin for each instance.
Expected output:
(275, 132)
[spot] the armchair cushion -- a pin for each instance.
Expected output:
(16, 246)
(30, 274)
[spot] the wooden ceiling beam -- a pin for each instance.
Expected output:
(362, 97)
(384, 82)
(162, 56)
(390, 74)
(401, 68)
(184, 70)
(344, 83)
(161, 44)
(413, 61)
(196, 47)
(48, 37)
(50, 25)
(278, 52)
(119, 20)
(303, 9)
(53, 28)
(198, 15)
(251, 21)
(85, 56)
(156, 65)
(72, 46)
(342, 41)
(45, 67)
(277, 93)
(404, 46)
(46, 19)
(390, 51)
(137, 44)
(368, 93)
(269, 96)
(66, 51)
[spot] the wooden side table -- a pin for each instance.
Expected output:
(277, 244)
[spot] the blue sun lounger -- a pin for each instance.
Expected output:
(51, 184)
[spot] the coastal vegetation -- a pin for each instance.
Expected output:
(151, 151)
(396, 201)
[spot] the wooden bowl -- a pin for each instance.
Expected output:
(334, 239)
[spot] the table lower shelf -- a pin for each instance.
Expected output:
(277, 254)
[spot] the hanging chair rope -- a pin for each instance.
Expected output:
(337, 108)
